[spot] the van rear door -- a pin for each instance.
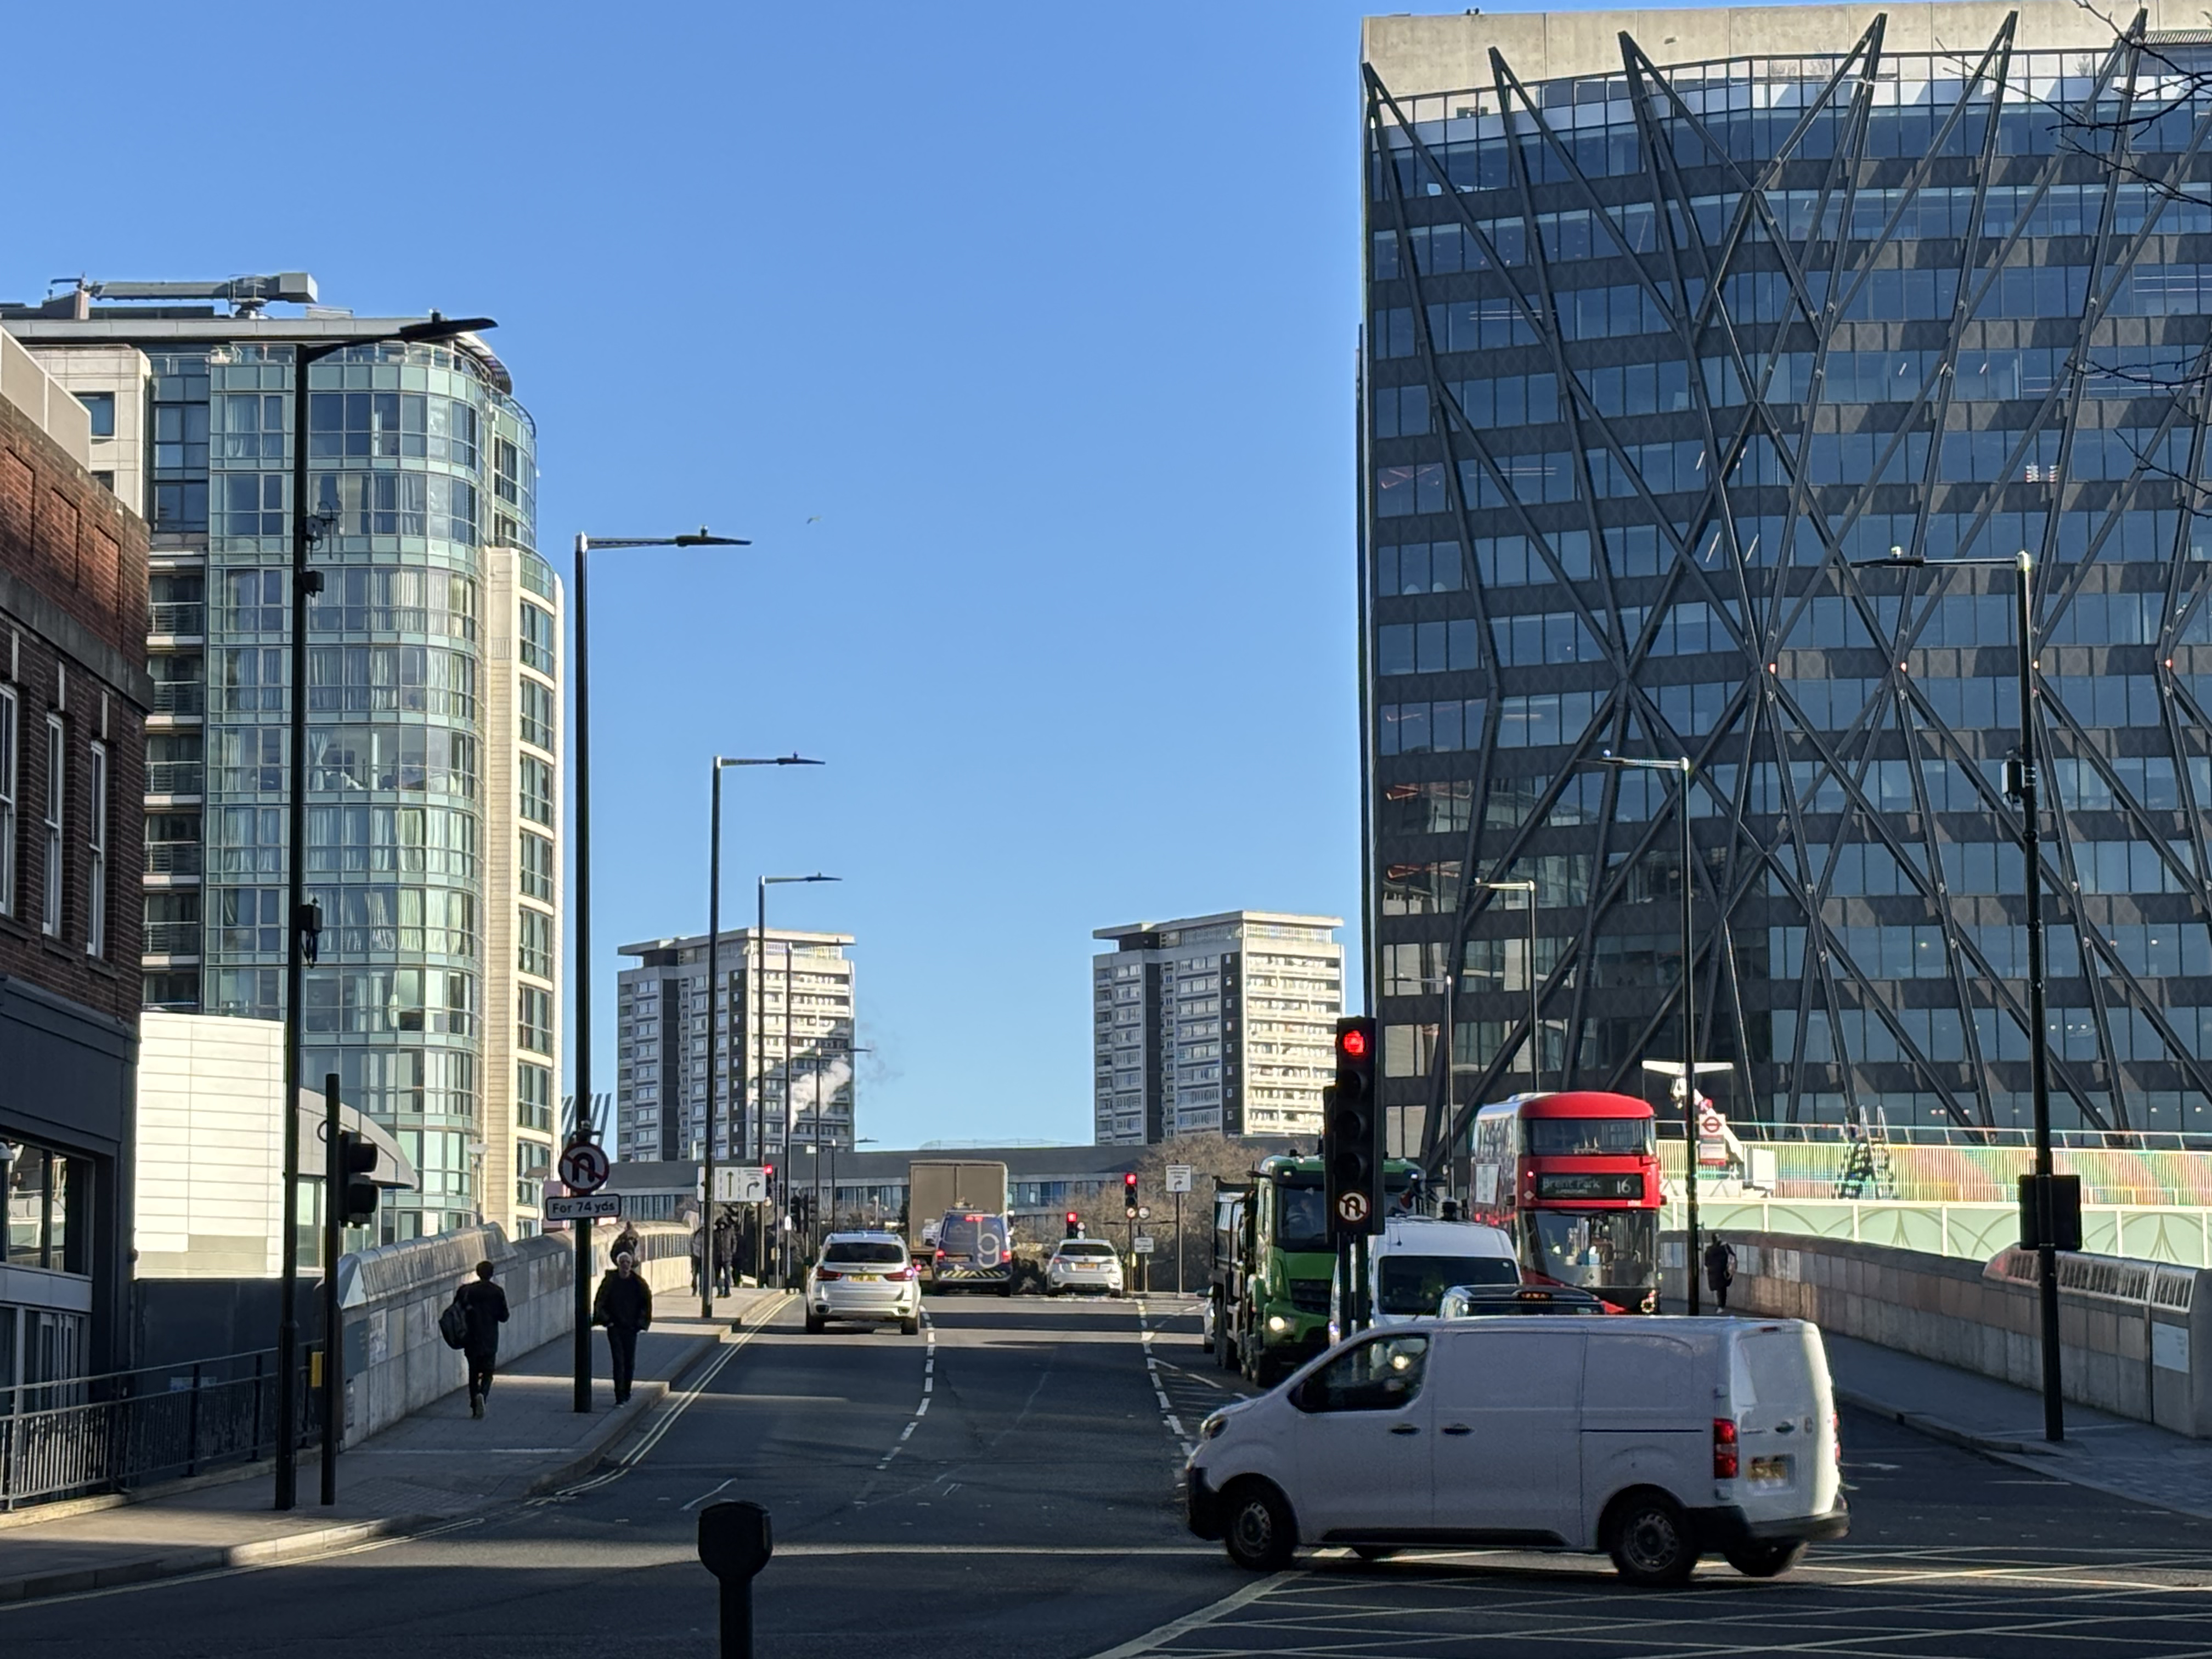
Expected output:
(1783, 1406)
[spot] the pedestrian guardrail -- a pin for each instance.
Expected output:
(89, 1435)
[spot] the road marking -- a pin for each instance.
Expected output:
(928, 1387)
(704, 1495)
(1152, 1640)
(1145, 1335)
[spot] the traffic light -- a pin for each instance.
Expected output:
(1074, 1227)
(356, 1196)
(1352, 1134)
(768, 1176)
(1129, 1193)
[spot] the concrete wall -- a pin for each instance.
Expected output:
(396, 1363)
(2129, 1330)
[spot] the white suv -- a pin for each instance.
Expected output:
(1083, 1264)
(866, 1278)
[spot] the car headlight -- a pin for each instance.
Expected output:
(1215, 1422)
(1277, 1322)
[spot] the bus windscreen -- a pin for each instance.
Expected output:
(1601, 1247)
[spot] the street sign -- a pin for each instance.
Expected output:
(1144, 1244)
(1144, 1212)
(1178, 1177)
(590, 1207)
(1352, 1207)
(584, 1167)
(740, 1183)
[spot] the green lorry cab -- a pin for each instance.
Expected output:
(1267, 1304)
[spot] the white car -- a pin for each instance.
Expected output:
(866, 1278)
(1083, 1264)
(1654, 1440)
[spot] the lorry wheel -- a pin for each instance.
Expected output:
(1649, 1541)
(1765, 1560)
(1257, 1530)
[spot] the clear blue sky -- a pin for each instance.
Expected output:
(1019, 338)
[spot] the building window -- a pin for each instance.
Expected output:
(536, 638)
(533, 1097)
(7, 802)
(537, 867)
(537, 716)
(536, 790)
(101, 405)
(95, 842)
(49, 911)
(534, 1020)
(533, 942)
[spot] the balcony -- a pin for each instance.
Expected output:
(175, 777)
(170, 938)
(173, 858)
(187, 620)
(180, 697)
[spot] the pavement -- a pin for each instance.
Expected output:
(1005, 1482)
(438, 1466)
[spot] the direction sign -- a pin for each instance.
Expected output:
(740, 1183)
(584, 1167)
(1352, 1208)
(1178, 1177)
(1144, 1244)
(590, 1207)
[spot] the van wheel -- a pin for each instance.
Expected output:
(1649, 1541)
(1258, 1530)
(1765, 1560)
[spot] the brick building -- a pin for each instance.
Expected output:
(73, 693)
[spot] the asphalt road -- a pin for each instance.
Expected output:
(1006, 1486)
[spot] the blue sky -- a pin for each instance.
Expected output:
(1020, 339)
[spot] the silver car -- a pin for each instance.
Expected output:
(866, 1278)
(1083, 1264)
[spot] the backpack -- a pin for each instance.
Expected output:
(453, 1323)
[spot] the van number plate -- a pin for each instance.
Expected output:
(1771, 1471)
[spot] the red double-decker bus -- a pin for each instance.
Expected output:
(1575, 1179)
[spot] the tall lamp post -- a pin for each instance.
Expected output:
(301, 938)
(760, 1035)
(713, 1008)
(1683, 769)
(2022, 785)
(580, 1130)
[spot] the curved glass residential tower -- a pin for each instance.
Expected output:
(432, 700)
(1674, 318)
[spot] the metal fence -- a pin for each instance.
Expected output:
(99, 1434)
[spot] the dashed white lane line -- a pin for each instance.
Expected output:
(1145, 1334)
(928, 1387)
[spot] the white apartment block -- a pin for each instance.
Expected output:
(1224, 1023)
(785, 1081)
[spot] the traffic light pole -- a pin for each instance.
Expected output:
(335, 1180)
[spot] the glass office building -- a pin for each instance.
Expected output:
(424, 841)
(1664, 337)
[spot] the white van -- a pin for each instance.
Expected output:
(1655, 1440)
(1415, 1259)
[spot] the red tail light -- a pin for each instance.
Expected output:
(823, 1275)
(940, 1255)
(1724, 1457)
(907, 1272)
(1836, 1436)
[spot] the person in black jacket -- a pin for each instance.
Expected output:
(624, 1306)
(1720, 1270)
(485, 1303)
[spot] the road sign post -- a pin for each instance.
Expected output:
(1178, 1176)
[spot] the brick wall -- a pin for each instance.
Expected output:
(73, 644)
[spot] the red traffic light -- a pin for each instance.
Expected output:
(1130, 1180)
(768, 1169)
(1070, 1218)
(1352, 1042)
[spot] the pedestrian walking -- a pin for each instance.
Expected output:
(725, 1255)
(1719, 1271)
(624, 1306)
(625, 1242)
(485, 1305)
(699, 1260)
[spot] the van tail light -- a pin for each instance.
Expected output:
(823, 1275)
(1724, 1448)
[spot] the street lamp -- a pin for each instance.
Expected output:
(760, 1030)
(715, 1002)
(300, 935)
(1684, 771)
(2021, 786)
(581, 1131)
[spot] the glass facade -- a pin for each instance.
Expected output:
(1653, 357)
(418, 460)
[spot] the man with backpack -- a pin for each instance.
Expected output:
(482, 1306)
(624, 1306)
(1720, 1270)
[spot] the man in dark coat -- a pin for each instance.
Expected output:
(485, 1303)
(624, 1306)
(1720, 1270)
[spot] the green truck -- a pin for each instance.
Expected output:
(1268, 1303)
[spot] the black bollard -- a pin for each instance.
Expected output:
(734, 1543)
